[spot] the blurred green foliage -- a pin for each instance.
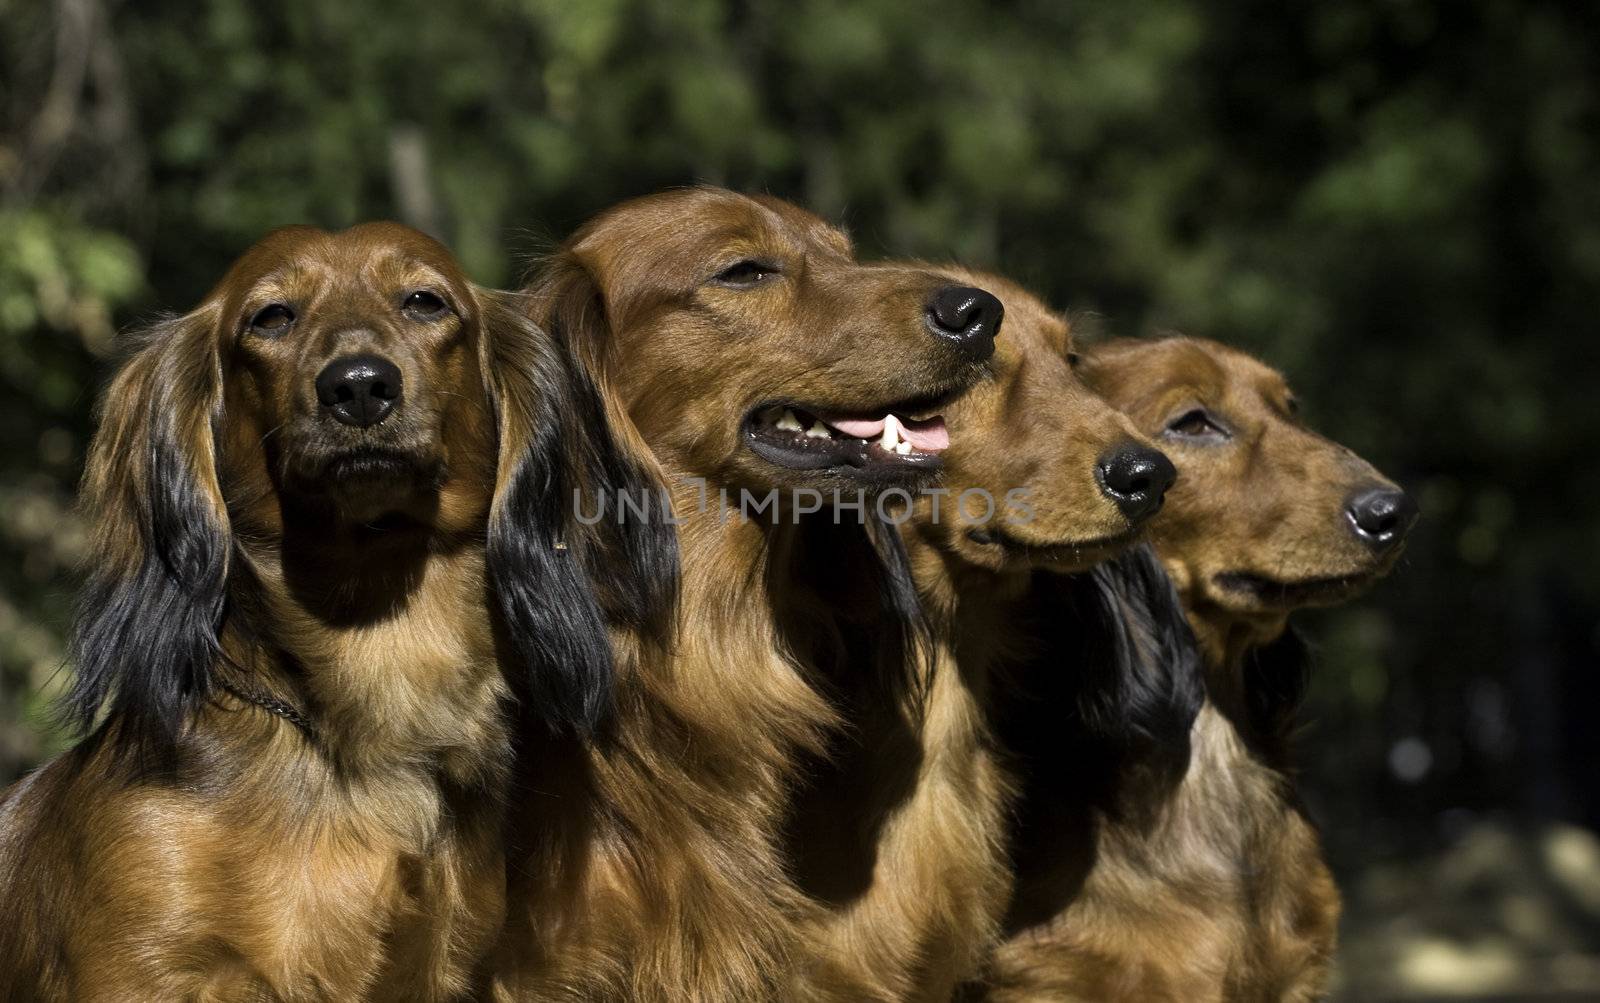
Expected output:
(1396, 201)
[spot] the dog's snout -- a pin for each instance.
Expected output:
(359, 390)
(1381, 517)
(968, 318)
(1136, 478)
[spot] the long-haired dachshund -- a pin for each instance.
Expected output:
(308, 494)
(1213, 886)
(906, 838)
(742, 342)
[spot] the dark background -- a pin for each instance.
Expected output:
(1398, 203)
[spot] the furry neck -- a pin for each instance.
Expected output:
(750, 631)
(1226, 640)
(976, 614)
(384, 641)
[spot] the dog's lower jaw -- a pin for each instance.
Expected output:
(365, 486)
(384, 507)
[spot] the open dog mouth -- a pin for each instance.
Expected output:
(1300, 592)
(890, 442)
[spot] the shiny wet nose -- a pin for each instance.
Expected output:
(1381, 517)
(967, 318)
(1137, 479)
(359, 390)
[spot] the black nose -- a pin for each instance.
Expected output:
(1136, 478)
(359, 390)
(1382, 517)
(967, 318)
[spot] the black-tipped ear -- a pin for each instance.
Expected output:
(562, 576)
(843, 588)
(1144, 678)
(145, 635)
(635, 562)
(547, 603)
(902, 608)
(638, 570)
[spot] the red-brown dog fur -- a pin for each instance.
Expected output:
(661, 879)
(1216, 891)
(933, 844)
(235, 856)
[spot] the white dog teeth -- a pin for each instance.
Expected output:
(784, 419)
(891, 434)
(893, 441)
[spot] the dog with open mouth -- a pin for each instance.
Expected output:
(332, 539)
(823, 372)
(902, 832)
(1211, 885)
(738, 339)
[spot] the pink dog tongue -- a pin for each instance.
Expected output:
(857, 428)
(929, 435)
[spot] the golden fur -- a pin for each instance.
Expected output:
(213, 849)
(652, 872)
(906, 836)
(1212, 889)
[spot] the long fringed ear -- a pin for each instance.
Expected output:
(640, 580)
(1144, 680)
(844, 590)
(909, 659)
(145, 635)
(561, 577)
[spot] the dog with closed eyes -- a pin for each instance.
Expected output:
(742, 343)
(333, 539)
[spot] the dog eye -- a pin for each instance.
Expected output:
(1197, 423)
(425, 304)
(272, 319)
(745, 273)
(1073, 358)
